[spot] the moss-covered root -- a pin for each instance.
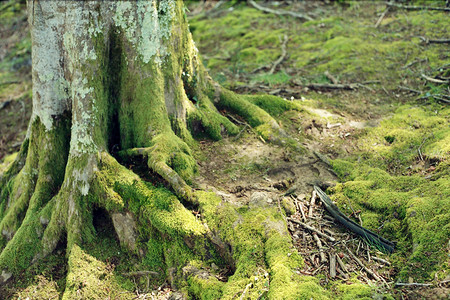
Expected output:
(259, 111)
(157, 209)
(172, 159)
(266, 260)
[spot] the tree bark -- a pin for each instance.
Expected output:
(117, 81)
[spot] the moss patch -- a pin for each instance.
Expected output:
(403, 193)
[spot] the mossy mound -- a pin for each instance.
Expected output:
(400, 180)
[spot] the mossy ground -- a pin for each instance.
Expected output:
(402, 193)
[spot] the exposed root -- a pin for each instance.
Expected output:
(168, 153)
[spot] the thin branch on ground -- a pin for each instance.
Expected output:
(282, 57)
(382, 17)
(412, 284)
(404, 88)
(311, 204)
(327, 86)
(332, 239)
(331, 77)
(383, 261)
(411, 7)
(434, 41)
(245, 290)
(414, 62)
(369, 271)
(332, 265)
(279, 12)
(431, 79)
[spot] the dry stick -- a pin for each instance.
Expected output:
(311, 204)
(413, 284)
(380, 260)
(326, 86)
(433, 79)
(382, 17)
(332, 265)
(369, 271)
(301, 211)
(431, 41)
(330, 238)
(341, 264)
(331, 233)
(279, 12)
(282, 57)
(317, 270)
(404, 88)
(245, 290)
(319, 244)
(414, 62)
(331, 77)
(407, 7)
(440, 99)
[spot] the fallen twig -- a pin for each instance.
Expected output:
(319, 245)
(331, 77)
(409, 89)
(408, 7)
(341, 264)
(279, 12)
(369, 271)
(282, 57)
(245, 290)
(332, 265)
(330, 238)
(431, 41)
(327, 86)
(300, 205)
(311, 204)
(412, 284)
(380, 260)
(414, 62)
(431, 79)
(382, 17)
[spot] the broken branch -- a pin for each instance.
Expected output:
(369, 271)
(437, 41)
(279, 12)
(409, 7)
(431, 79)
(382, 17)
(311, 204)
(282, 57)
(319, 244)
(330, 238)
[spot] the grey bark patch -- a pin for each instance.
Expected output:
(125, 227)
(5, 276)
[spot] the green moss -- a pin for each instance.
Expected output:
(262, 250)
(354, 291)
(90, 278)
(205, 288)
(389, 183)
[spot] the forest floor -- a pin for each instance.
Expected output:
(374, 87)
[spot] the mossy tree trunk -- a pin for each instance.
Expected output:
(114, 81)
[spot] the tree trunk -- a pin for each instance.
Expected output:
(121, 81)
